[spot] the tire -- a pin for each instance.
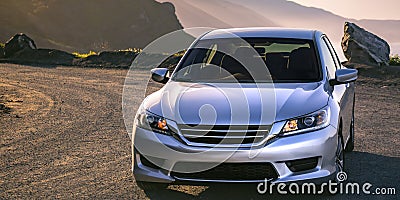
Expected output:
(340, 168)
(150, 186)
(340, 155)
(350, 142)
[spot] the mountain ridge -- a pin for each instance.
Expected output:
(291, 14)
(97, 25)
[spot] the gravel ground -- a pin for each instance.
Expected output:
(63, 136)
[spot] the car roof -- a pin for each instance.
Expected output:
(258, 32)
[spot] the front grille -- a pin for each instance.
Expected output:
(231, 171)
(224, 134)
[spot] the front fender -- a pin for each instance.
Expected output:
(335, 112)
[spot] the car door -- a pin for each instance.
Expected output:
(343, 94)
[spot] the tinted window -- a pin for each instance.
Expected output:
(231, 60)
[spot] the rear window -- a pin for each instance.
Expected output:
(246, 60)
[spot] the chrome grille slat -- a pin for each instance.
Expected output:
(204, 130)
(233, 137)
(223, 127)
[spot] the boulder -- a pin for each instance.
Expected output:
(361, 46)
(22, 49)
(19, 42)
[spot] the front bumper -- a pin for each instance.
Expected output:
(321, 144)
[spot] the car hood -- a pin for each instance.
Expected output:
(195, 103)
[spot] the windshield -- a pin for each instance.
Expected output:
(249, 60)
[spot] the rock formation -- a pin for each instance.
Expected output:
(361, 46)
(22, 49)
(20, 42)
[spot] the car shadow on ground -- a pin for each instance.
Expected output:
(361, 167)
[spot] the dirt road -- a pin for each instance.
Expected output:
(63, 136)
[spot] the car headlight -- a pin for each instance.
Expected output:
(153, 122)
(311, 122)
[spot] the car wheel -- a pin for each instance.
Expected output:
(150, 186)
(350, 142)
(339, 155)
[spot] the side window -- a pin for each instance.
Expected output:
(333, 52)
(328, 59)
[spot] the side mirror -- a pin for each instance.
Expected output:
(159, 75)
(343, 76)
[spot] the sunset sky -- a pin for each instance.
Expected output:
(357, 9)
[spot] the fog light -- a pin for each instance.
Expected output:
(302, 164)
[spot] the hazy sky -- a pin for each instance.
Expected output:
(358, 9)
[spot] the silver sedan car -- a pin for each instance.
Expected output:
(247, 105)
